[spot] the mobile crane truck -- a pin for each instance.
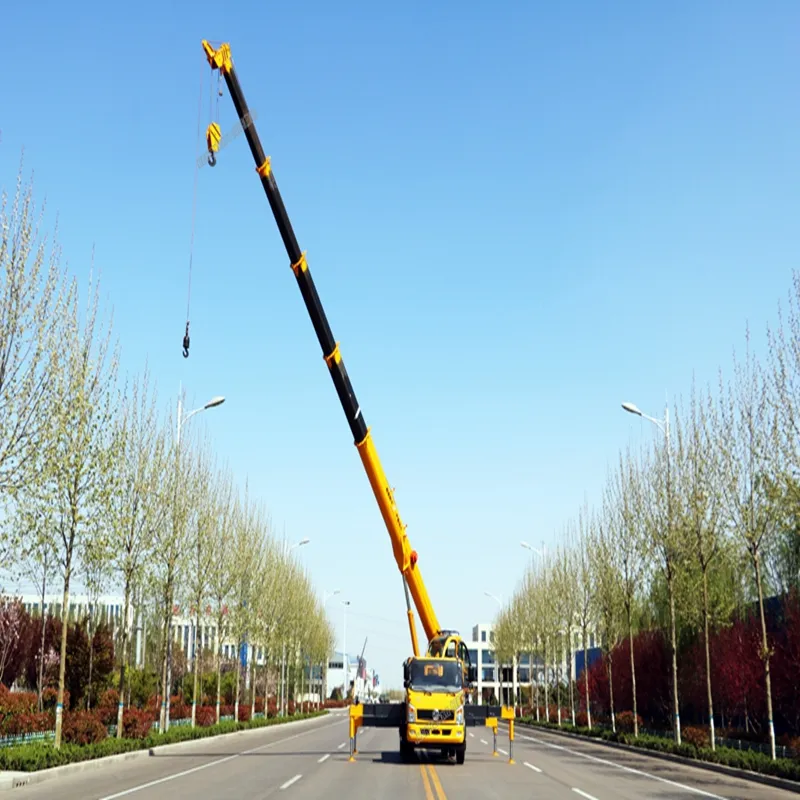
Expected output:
(435, 713)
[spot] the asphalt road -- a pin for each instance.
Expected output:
(310, 760)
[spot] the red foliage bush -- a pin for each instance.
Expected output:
(244, 712)
(699, 737)
(624, 721)
(205, 716)
(179, 709)
(83, 727)
(16, 724)
(136, 724)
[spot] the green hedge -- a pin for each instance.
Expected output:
(33, 757)
(751, 760)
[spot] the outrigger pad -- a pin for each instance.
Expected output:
(383, 715)
(477, 715)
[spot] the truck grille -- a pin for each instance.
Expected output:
(438, 715)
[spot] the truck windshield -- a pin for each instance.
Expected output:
(435, 676)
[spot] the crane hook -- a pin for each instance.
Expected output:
(212, 159)
(186, 342)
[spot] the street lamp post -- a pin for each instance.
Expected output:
(181, 421)
(345, 603)
(663, 426)
(287, 548)
(543, 555)
(323, 681)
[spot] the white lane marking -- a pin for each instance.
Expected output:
(342, 745)
(583, 794)
(291, 781)
(472, 734)
(483, 741)
(622, 767)
(212, 763)
(324, 758)
(530, 766)
(500, 750)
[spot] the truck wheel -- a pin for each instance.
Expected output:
(406, 751)
(461, 752)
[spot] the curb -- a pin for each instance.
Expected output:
(12, 779)
(722, 769)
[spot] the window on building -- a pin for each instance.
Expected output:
(491, 636)
(483, 636)
(487, 674)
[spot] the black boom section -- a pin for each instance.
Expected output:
(383, 715)
(347, 397)
(477, 715)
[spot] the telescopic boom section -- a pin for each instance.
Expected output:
(405, 557)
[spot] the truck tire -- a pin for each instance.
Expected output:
(406, 751)
(461, 753)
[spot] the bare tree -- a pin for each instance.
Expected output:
(625, 503)
(749, 437)
(567, 602)
(75, 462)
(607, 595)
(205, 501)
(137, 507)
(31, 299)
(701, 502)
(222, 571)
(586, 607)
(667, 543)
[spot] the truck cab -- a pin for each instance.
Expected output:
(435, 693)
(449, 644)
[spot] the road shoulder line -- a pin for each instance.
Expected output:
(722, 769)
(11, 779)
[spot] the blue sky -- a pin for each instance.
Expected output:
(516, 219)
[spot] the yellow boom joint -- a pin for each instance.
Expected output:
(220, 58)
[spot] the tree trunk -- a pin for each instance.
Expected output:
(708, 659)
(238, 684)
(765, 653)
(63, 659)
(586, 676)
(165, 672)
(611, 692)
(219, 666)
(253, 684)
(195, 664)
(91, 658)
(570, 676)
(125, 645)
(633, 672)
(546, 686)
(674, 648)
(41, 649)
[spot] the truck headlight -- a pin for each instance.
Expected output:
(412, 714)
(460, 716)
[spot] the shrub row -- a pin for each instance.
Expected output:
(33, 757)
(693, 746)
